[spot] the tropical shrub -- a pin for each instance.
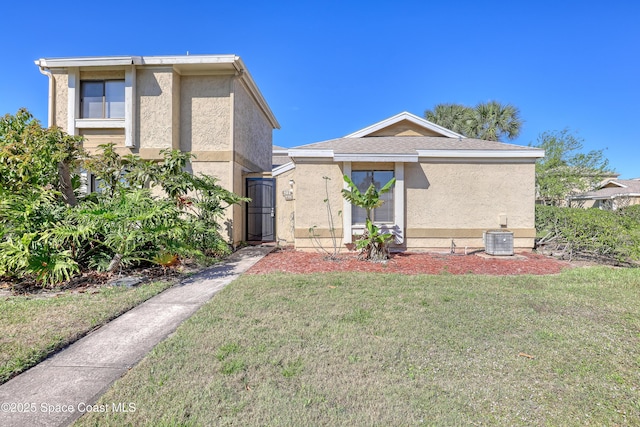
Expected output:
(373, 242)
(27, 245)
(144, 212)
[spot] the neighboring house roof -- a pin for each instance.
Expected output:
(182, 64)
(279, 156)
(364, 146)
(613, 189)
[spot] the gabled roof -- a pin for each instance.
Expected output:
(404, 116)
(363, 146)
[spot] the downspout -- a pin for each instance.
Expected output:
(51, 93)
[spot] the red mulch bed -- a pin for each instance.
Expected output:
(291, 261)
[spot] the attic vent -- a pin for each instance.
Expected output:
(498, 242)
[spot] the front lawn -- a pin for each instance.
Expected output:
(32, 327)
(386, 349)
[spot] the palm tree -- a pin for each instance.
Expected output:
(455, 117)
(490, 121)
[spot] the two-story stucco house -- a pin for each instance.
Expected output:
(208, 105)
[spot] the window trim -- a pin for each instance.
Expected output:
(74, 123)
(104, 98)
(373, 213)
(397, 229)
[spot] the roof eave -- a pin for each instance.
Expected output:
(282, 169)
(297, 153)
(375, 158)
(88, 61)
(535, 154)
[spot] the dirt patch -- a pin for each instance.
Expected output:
(291, 261)
(91, 281)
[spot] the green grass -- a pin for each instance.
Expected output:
(376, 349)
(33, 327)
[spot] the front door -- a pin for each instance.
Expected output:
(261, 218)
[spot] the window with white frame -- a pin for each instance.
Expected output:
(363, 179)
(102, 99)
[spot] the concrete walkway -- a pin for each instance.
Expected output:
(58, 390)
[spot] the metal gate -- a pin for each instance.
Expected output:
(261, 214)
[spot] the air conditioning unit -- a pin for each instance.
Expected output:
(498, 242)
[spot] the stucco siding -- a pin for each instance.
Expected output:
(175, 111)
(285, 209)
(238, 212)
(252, 131)
(205, 113)
(310, 208)
(222, 171)
(469, 195)
(444, 202)
(154, 100)
(456, 202)
(95, 137)
(61, 88)
(101, 74)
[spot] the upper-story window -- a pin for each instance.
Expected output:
(102, 99)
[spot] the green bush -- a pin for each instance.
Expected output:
(613, 235)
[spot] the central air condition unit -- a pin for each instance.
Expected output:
(498, 242)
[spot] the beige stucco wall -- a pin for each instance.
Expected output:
(155, 108)
(469, 195)
(95, 137)
(101, 74)
(205, 113)
(175, 111)
(443, 202)
(238, 212)
(222, 171)
(285, 209)
(252, 132)
(458, 201)
(310, 209)
(61, 88)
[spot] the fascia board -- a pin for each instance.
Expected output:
(358, 157)
(189, 59)
(93, 61)
(282, 169)
(500, 154)
(310, 153)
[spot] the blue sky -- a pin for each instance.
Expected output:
(330, 68)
